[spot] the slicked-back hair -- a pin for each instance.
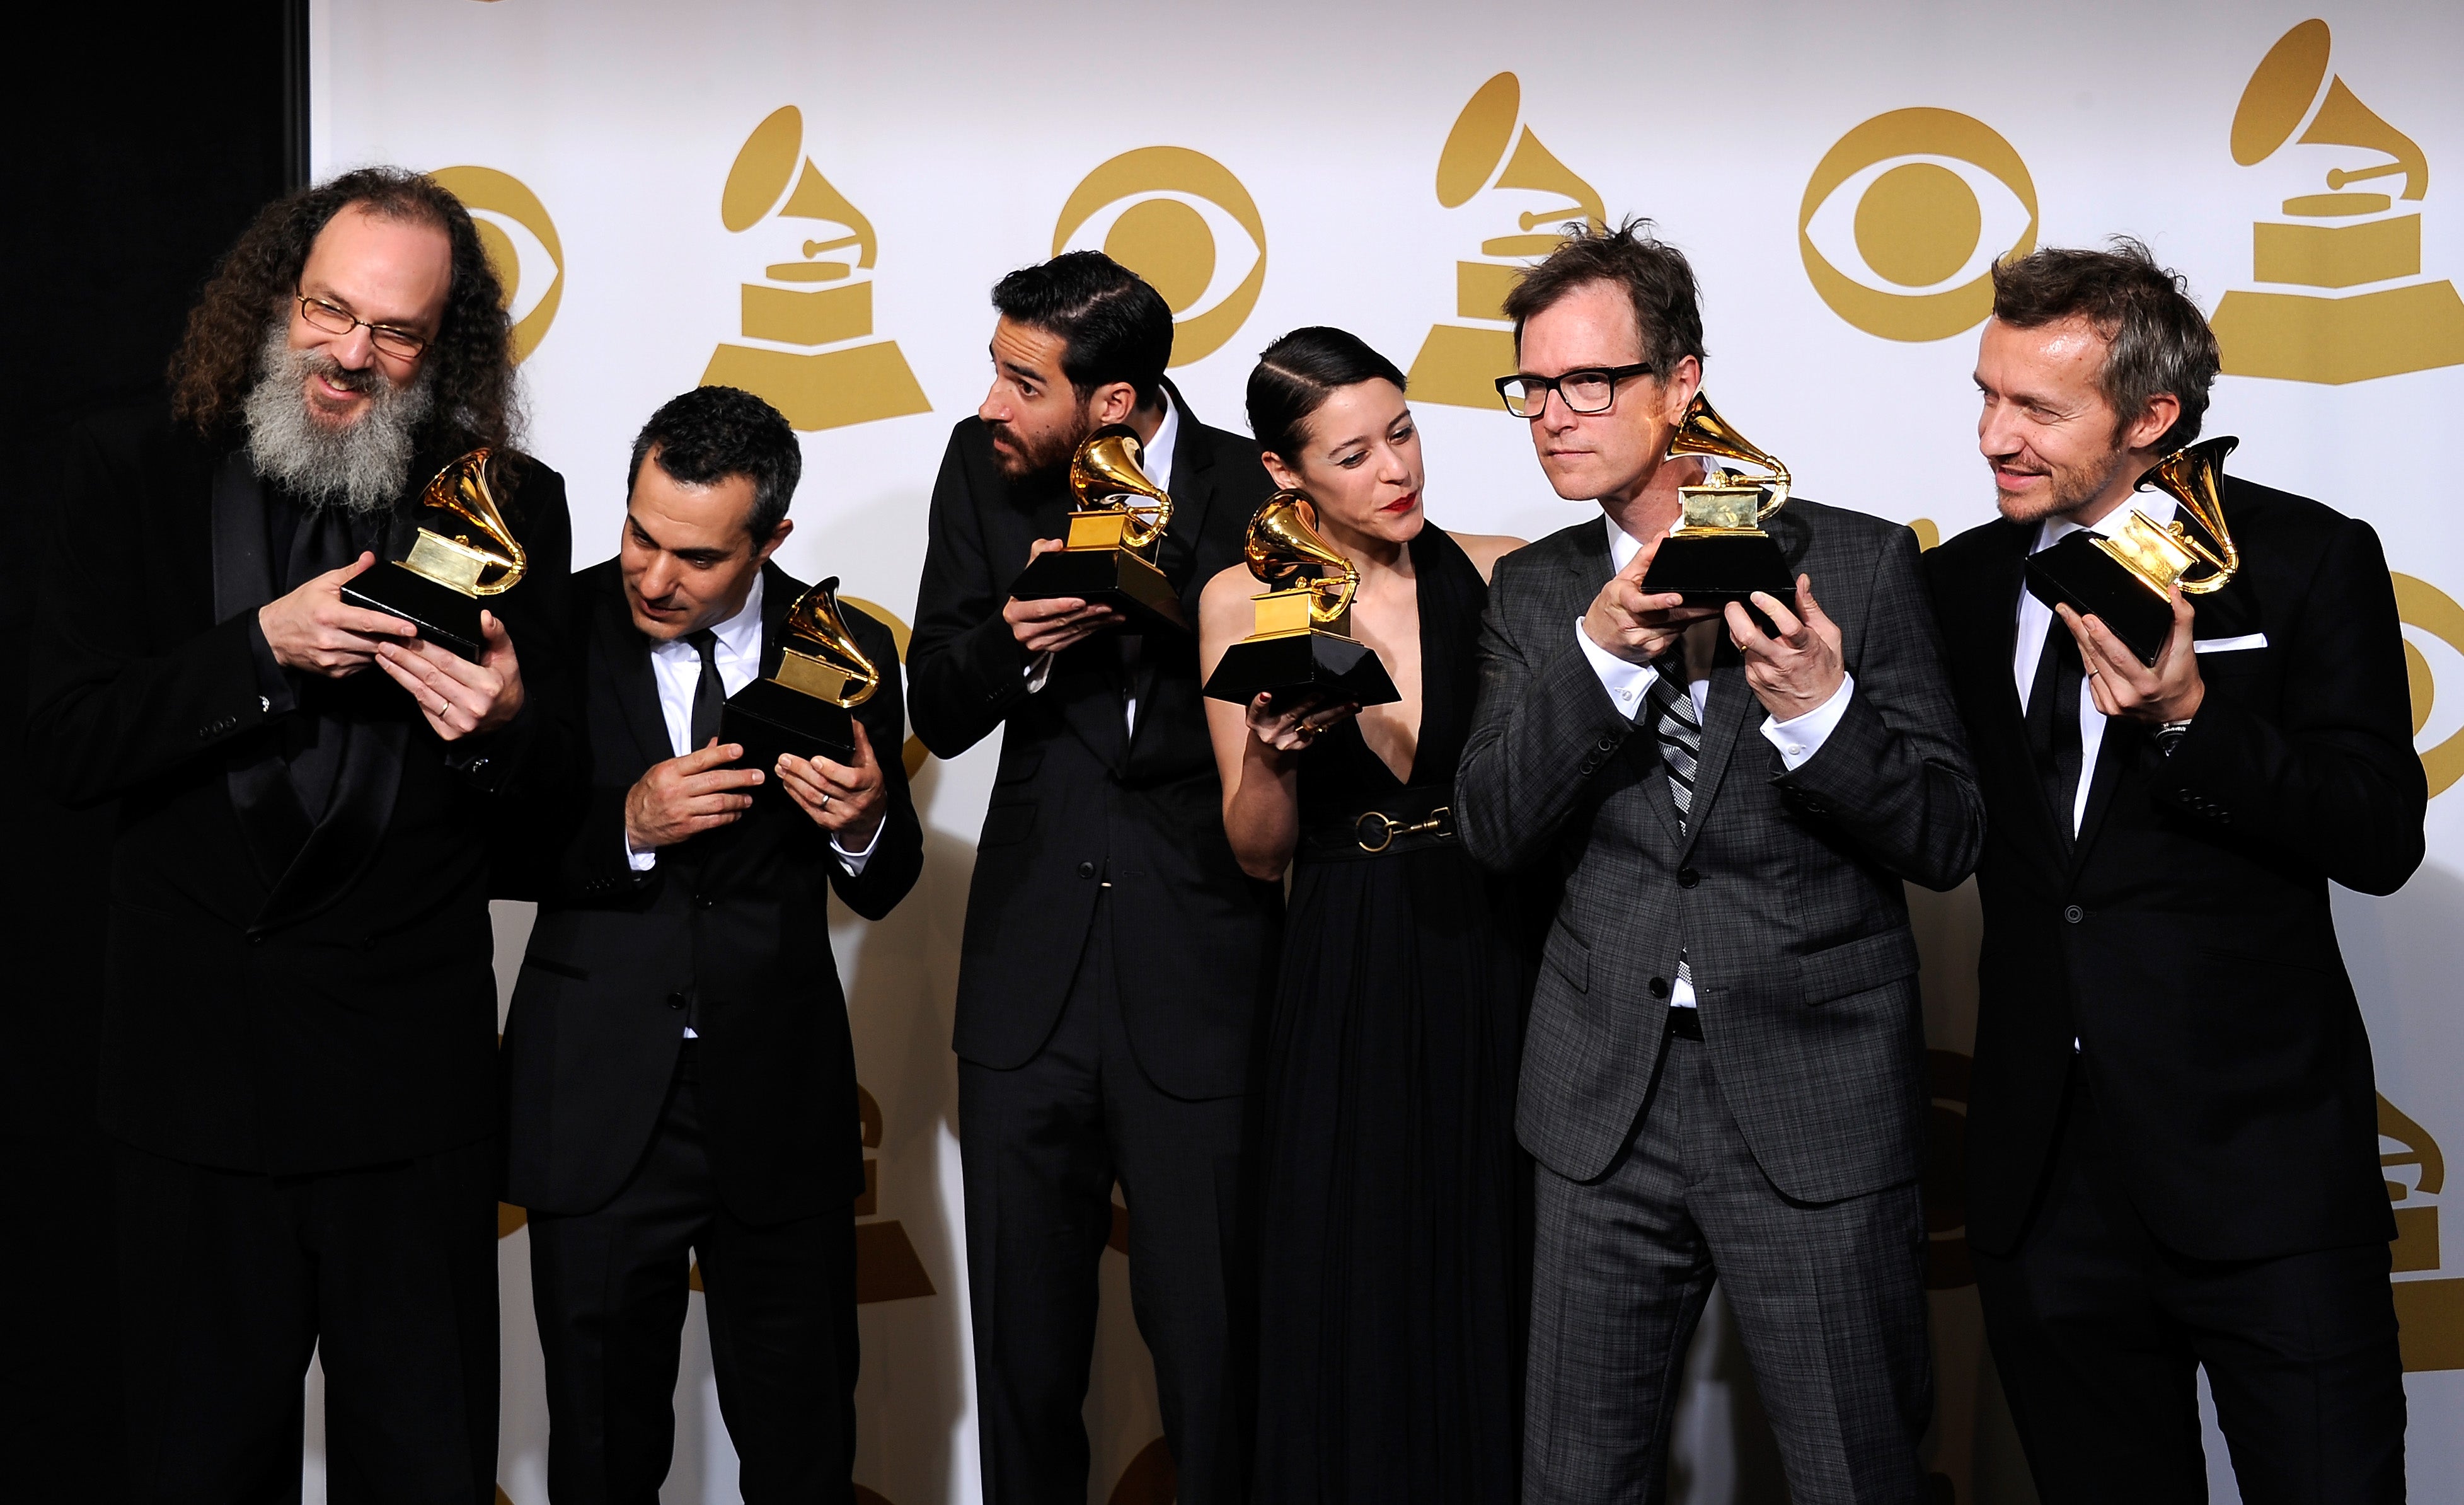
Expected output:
(1112, 326)
(712, 432)
(471, 359)
(2156, 339)
(1294, 376)
(1655, 276)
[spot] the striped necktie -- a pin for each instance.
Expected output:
(1679, 731)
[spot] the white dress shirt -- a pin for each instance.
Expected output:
(2036, 619)
(1155, 459)
(1629, 684)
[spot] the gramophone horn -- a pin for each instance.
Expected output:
(822, 657)
(2193, 475)
(1703, 431)
(1284, 542)
(1105, 472)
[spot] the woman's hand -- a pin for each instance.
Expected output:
(1292, 728)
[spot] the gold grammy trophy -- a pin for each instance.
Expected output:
(818, 363)
(437, 587)
(1718, 552)
(805, 705)
(1109, 556)
(1301, 641)
(2126, 580)
(2334, 241)
(1459, 363)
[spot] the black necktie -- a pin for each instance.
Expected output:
(1679, 731)
(709, 693)
(2054, 723)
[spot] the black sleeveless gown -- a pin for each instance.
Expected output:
(1392, 1219)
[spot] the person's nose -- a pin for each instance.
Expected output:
(658, 578)
(993, 408)
(355, 351)
(1996, 431)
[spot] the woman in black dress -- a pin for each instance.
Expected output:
(1391, 1190)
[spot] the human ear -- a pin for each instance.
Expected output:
(1283, 475)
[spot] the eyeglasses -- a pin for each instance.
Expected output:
(1589, 390)
(335, 320)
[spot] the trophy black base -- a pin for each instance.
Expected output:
(1718, 568)
(768, 719)
(1318, 663)
(2078, 574)
(1110, 577)
(444, 616)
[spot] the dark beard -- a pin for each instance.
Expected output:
(364, 467)
(1037, 462)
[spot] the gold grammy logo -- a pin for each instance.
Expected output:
(2429, 1310)
(1149, 211)
(1459, 363)
(1901, 191)
(2334, 240)
(886, 1265)
(519, 237)
(818, 363)
(2429, 609)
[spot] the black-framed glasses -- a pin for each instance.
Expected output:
(1588, 391)
(335, 320)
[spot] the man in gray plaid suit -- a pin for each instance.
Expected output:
(1721, 1075)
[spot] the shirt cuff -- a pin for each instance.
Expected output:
(1038, 672)
(640, 862)
(1800, 737)
(1627, 683)
(855, 861)
(274, 694)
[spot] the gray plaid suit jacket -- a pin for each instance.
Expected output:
(1784, 891)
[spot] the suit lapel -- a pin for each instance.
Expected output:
(1588, 570)
(624, 658)
(1731, 701)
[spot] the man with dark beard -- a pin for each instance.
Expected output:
(2172, 1137)
(298, 1057)
(1114, 953)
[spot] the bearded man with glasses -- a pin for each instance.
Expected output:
(1723, 1073)
(299, 1003)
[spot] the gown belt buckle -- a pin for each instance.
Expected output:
(1376, 830)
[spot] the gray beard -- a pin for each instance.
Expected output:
(363, 467)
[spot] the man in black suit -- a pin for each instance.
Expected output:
(679, 1077)
(298, 1007)
(1115, 952)
(2172, 1142)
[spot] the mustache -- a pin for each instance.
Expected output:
(321, 364)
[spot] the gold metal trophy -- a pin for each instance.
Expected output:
(1718, 552)
(441, 583)
(1108, 557)
(806, 705)
(2126, 580)
(1301, 643)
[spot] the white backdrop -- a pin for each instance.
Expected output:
(814, 199)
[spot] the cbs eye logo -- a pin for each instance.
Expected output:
(1163, 212)
(521, 244)
(1918, 204)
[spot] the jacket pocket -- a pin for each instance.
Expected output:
(554, 968)
(1016, 767)
(1856, 965)
(1568, 956)
(1005, 824)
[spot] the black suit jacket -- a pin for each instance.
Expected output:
(2187, 942)
(338, 1012)
(736, 918)
(1078, 800)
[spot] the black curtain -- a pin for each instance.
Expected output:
(146, 139)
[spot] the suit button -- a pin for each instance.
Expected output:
(1660, 987)
(1608, 742)
(1687, 878)
(2073, 914)
(676, 1000)
(1086, 869)
(706, 901)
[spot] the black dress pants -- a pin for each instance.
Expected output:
(611, 1289)
(2099, 1332)
(228, 1280)
(1041, 1145)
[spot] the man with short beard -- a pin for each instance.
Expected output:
(1114, 953)
(298, 1057)
(2172, 1141)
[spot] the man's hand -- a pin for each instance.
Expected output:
(1636, 626)
(1798, 670)
(683, 797)
(2122, 686)
(1048, 627)
(460, 698)
(313, 631)
(847, 802)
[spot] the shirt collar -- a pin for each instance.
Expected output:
(740, 636)
(1155, 457)
(2157, 507)
(1624, 546)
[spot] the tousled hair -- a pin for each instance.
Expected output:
(2156, 339)
(1654, 275)
(1112, 326)
(470, 362)
(1295, 375)
(712, 432)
